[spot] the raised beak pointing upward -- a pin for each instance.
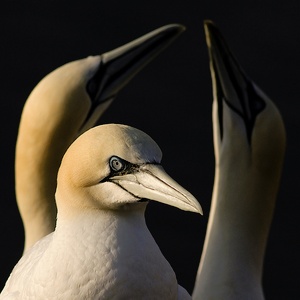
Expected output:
(120, 65)
(230, 83)
(125, 62)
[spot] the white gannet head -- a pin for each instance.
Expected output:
(114, 166)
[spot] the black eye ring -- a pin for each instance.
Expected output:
(116, 164)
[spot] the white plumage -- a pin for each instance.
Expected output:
(64, 104)
(249, 143)
(101, 247)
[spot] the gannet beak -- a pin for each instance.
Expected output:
(227, 76)
(152, 182)
(123, 63)
(119, 66)
(230, 83)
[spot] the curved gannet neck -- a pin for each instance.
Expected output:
(101, 247)
(65, 104)
(39, 152)
(114, 247)
(241, 212)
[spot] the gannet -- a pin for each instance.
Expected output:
(249, 145)
(101, 247)
(64, 104)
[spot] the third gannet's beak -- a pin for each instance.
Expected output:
(230, 83)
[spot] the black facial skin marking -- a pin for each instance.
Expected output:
(124, 168)
(127, 168)
(250, 103)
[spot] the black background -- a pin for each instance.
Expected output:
(170, 100)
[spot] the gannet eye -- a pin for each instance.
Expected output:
(116, 164)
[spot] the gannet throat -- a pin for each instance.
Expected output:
(101, 247)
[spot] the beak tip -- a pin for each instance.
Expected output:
(208, 27)
(208, 22)
(176, 27)
(211, 32)
(195, 206)
(181, 28)
(200, 210)
(173, 30)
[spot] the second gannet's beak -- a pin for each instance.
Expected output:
(150, 181)
(119, 66)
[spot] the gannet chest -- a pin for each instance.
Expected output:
(116, 258)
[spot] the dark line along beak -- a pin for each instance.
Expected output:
(120, 65)
(153, 183)
(123, 63)
(230, 83)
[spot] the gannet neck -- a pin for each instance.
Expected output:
(62, 106)
(101, 247)
(249, 143)
(115, 247)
